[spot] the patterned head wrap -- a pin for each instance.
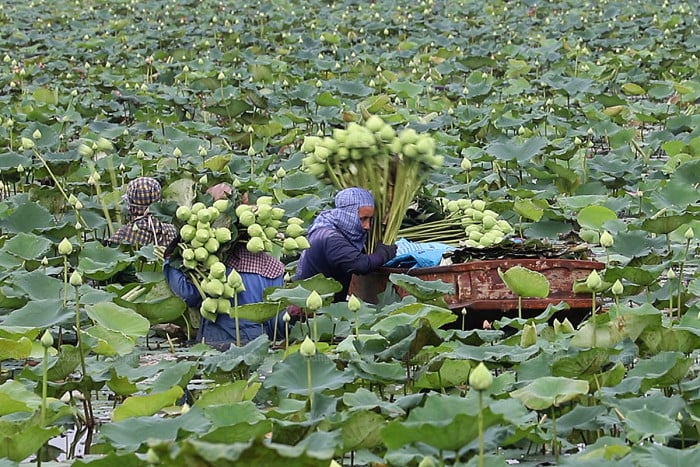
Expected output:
(344, 216)
(144, 228)
(141, 193)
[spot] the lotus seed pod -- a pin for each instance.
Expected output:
(65, 247)
(217, 270)
(606, 240)
(255, 245)
(302, 242)
(183, 213)
(480, 378)
(314, 301)
(221, 205)
(47, 339)
(617, 288)
(593, 281)
(76, 280)
(307, 348)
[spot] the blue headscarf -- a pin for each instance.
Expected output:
(344, 216)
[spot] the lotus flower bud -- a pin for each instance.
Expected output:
(529, 335)
(307, 348)
(466, 164)
(314, 301)
(689, 234)
(27, 143)
(354, 303)
(286, 317)
(84, 150)
(557, 326)
(65, 247)
(606, 240)
(76, 280)
(671, 274)
(47, 339)
(480, 378)
(617, 288)
(36, 134)
(281, 173)
(44, 261)
(593, 281)
(566, 326)
(427, 461)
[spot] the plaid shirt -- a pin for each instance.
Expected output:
(144, 228)
(263, 264)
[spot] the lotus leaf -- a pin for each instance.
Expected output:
(549, 391)
(524, 282)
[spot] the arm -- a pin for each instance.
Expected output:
(181, 286)
(350, 259)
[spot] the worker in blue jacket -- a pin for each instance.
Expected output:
(258, 271)
(338, 237)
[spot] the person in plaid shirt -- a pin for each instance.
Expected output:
(143, 227)
(258, 272)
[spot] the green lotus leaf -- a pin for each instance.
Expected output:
(645, 423)
(420, 288)
(257, 312)
(140, 406)
(158, 304)
(524, 282)
(40, 314)
(99, 262)
(119, 319)
(110, 343)
(289, 376)
(549, 391)
(11, 349)
(593, 217)
(27, 246)
(444, 422)
(528, 209)
(27, 218)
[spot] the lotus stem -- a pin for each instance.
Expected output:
(235, 317)
(593, 309)
(480, 426)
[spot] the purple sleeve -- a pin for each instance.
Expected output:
(181, 286)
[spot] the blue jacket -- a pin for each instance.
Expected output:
(334, 256)
(222, 333)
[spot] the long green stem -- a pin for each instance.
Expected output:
(235, 315)
(480, 426)
(593, 309)
(310, 383)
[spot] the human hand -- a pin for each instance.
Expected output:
(387, 252)
(220, 191)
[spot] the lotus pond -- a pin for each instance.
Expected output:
(578, 122)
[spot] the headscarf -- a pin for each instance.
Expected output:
(144, 228)
(141, 193)
(344, 216)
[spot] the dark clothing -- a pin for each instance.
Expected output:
(222, 333)
(336, 257)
